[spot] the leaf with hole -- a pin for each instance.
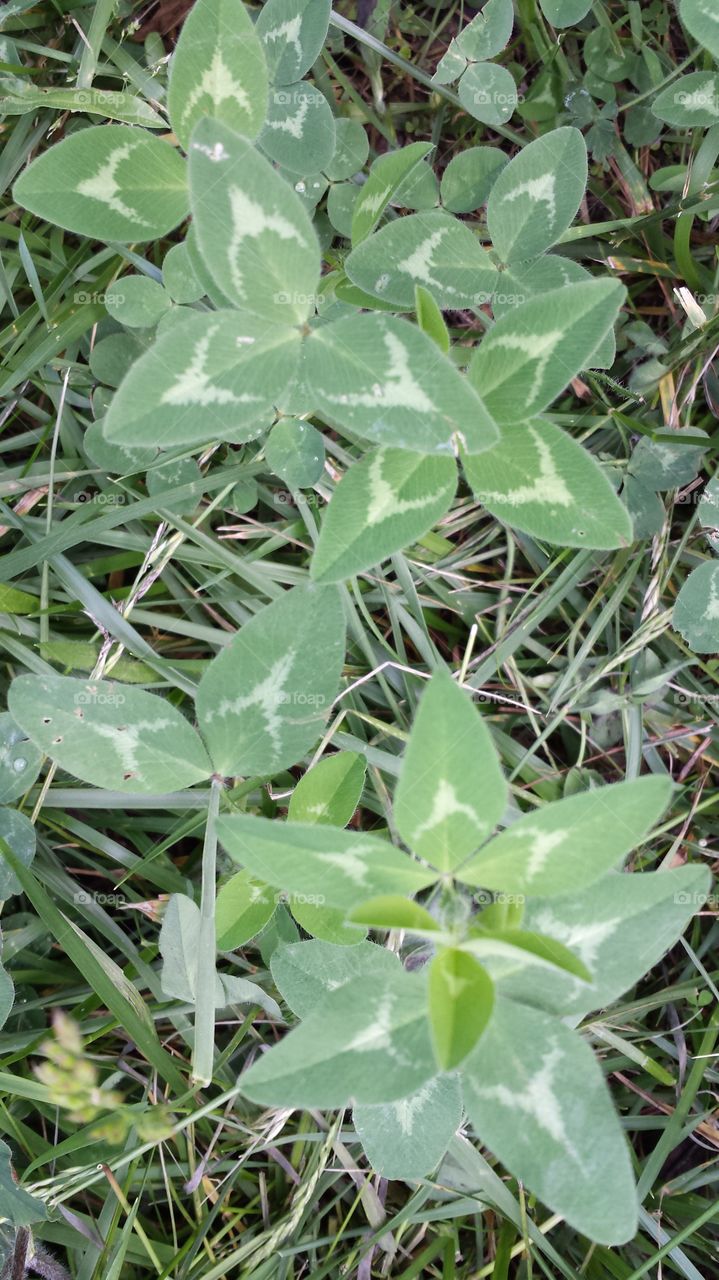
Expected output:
(540, 480)
(112, 735)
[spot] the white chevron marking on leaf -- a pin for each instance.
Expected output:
(294, 125)
(408, 1108)
(250, 220)
(419, 263)
(104, 186)
(126, 741)
(194, 385)
(288, 31)
(585, 939)
(400, 389)
(548, 488)
(267, 696)
(349, 862)
(444, 804)
(384, 502)
(539, 1101)
(542, 190)
(539, 347)
(218, 84)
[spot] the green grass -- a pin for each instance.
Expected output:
(573, 653)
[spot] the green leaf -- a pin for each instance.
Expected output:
(696, 612)
(300, 129)
(109, 183)
(386, 381)
(547, 950)
(337, 868)
(701, 19)
(461, 999)
(565, 13)
(307, 972)
(570, 843)
(385, 502)
(218, 69)
(392, 911)
(292, 33)
(488, 33)
(666, 462)
(242, 908)
(536, 196)
(179, 941)
(18, 832)
(690, 101)
(178, 275)
(137, 301)
(215, 376)
(367, 1042)
(488, 92)
(469, 178)
(532, 353)
(264, 699)
(431, 249)
(537, 1098)
(16, 1205)
(327, 923)
(430, 318)
(295, 451)
(253, 232)
(112, 735)
(451, 791)
(408, 1138)
(619, 927)
(20, 760)
(386, 176)
(551, 271)
(540, 480)
(17, 98)
(330, 791)
(351, 150)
